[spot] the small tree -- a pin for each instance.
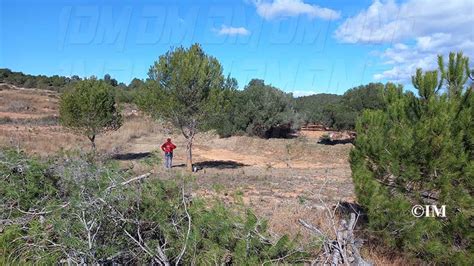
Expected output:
(111, 81)
(267, 108)
(180, 89)
(89, 108)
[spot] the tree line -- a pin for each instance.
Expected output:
(258, 109)
(122, 92)
(341, 111)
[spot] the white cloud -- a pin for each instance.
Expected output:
(387, 21)
(419, 29)
(405, 59)
(290, 8)
(226, 30)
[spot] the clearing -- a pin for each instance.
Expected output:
(282, 180)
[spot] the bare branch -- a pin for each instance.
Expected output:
(189, 228)
(129, 181)
(311, 228)
(345, 248)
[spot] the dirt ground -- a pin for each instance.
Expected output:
(282, 180)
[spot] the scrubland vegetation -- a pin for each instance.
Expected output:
(75, 211)
(341, 111)
(412, 148)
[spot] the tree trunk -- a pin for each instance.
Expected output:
(92, 139)
(189, 155)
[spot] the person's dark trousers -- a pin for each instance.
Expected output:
(168, 159)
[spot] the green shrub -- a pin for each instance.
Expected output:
(259, 110)
(419, 151)
(73, 211)
(313, 107)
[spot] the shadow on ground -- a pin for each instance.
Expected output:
(345, 208)
(335, 142)
(219, 164)
(131, 156)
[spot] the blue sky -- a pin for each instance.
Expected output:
(300, 46)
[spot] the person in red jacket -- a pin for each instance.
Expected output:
(168, 148)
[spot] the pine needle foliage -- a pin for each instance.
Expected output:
(419, 150)
(89, 108)
(72, 210)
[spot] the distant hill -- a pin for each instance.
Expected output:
(55, 82)
(341, 111)
(19, 79)
(58, 83)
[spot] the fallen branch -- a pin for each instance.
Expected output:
(311, 227)
(345, 248)
(129, 181)
(189, 228)
(40, 212)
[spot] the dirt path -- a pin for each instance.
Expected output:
(249, 151)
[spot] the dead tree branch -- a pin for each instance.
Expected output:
(344, 249)
(129, 181)
(189, 228)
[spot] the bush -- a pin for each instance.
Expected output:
(125, 95)
(419, 151)
(259, 110)
(73, 211)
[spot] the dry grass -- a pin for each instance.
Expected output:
(29, 101)
(41, 140)
(379, 256)
(133, 128)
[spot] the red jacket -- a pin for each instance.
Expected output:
(168, 146)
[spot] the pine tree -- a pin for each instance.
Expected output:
(180, 89)
(419, 150)
(90, 109)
